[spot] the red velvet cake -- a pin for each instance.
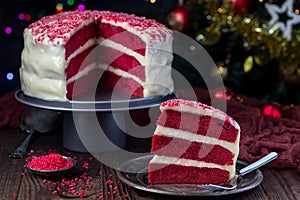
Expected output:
(193, 144)
(135, 53)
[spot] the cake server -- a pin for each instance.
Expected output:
(35, 120)
(232, 184)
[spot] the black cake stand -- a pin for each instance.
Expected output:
(83, 117)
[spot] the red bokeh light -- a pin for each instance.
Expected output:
(271, 111)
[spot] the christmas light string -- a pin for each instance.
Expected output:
(256, 32)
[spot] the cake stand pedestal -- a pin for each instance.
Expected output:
(86, 116)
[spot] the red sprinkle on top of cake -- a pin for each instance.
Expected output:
(56, 28)
(138, 23)
(178, 102)
(194, 104)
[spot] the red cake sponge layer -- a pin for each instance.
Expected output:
(179, 174)
(80, 62)
(198, 124)
(180, 148)
(121, 36)
(122, 84)
(80, 38)
(119, 60)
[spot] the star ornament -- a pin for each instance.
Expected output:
(286, 9)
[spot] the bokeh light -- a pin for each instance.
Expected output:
(271, 111)
(219, 94)
(70, 2)
(21, 16)
(28, 17)
(59, 7)
(81, 7)
(10, 76)
(8, 30)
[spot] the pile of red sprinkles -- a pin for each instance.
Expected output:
(52, 161)
(80, 183)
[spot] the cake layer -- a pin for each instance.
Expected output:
(114, 57)
(86, 80)
(123, 84)
(197, 108)
(191, 163)
(122, 49)
(198, 124)
(88, 44)
(181, 174)
(182, 148)
(176, 133)
(148, 38)
(79, 63)
(152, 69)
(80, 37)
(121, 36)
(119, 78)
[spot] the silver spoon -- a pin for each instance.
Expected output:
(232, 184)
(35, 120)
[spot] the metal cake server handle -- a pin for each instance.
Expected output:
(21, 151)
(35, 120)
(232, 184)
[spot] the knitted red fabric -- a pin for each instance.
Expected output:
(10, 110)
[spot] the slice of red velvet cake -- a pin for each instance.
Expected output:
(193, 144)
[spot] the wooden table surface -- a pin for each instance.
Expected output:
(17, 182)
